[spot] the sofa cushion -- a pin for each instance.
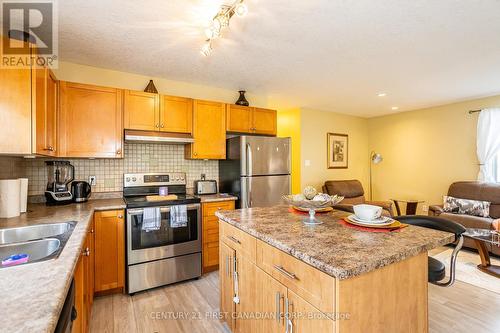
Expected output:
(466, 206)
(475, 190)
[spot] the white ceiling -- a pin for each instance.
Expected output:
(332, 55)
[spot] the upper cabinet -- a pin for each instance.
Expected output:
(90, 121)
(209, 131)
(244, 119)
(45, 103)
(176, 114)
(152, 112)
(141, 110)
(15, 111)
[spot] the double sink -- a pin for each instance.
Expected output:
(40, 242)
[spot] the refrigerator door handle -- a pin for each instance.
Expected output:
(249, 160)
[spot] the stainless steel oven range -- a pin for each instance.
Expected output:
(168, 252)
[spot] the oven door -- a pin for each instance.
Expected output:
(143, 246)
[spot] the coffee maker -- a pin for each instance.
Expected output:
(59, 175)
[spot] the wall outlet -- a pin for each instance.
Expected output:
(92, 180)
(425, 208)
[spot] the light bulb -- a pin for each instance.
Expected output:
(241, 10)
(206, 50)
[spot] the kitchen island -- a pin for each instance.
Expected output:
(278, 274)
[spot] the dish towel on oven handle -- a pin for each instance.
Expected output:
(178, 216)
(151, 219)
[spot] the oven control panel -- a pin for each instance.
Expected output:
(154, 179)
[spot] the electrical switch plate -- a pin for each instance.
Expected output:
(92, 180)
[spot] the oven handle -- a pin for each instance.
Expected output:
(139, 211)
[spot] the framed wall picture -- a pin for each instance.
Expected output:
(338, 149)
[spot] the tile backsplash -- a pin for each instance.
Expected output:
(138, 157)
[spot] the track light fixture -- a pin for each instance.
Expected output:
(221, 21)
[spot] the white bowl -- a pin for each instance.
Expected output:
(367, 212)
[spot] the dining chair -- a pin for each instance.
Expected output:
(437, 271)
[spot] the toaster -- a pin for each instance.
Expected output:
(205, 187)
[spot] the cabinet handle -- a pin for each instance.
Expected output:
(49, 148)
(86, 252)
(118, 152)
(195, 154)
(289, 321)
(162, 125)
(120, 216)
(278, 306)
(91, 231)
(234, 239)
(287, 315)
(157, 125)
(285, 272)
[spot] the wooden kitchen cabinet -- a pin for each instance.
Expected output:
(141, 110)
(303, 317)
(84, 291)
(45, 102)
(176, 114)
(15, 110)
(109, 251)
(209, 131)
(210, 236)
(245, 119)
(271, 298)
(90, 121)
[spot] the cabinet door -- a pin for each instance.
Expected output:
(209, 131)
(15, 110)
(264, 121)
(303, 317)
(271, 300)
(45, 109)
(109, 250)
(246, 290)
(239, 118)
(141, 110)
(226, 259)
(91, 121)
(79, 276)
(176, 114)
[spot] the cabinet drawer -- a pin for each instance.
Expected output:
(210, 208)
(238, 240)
(312, 285)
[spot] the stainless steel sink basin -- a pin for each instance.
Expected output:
(23, 234)
(37, 250)
(40, 242)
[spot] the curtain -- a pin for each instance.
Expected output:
(488, 143)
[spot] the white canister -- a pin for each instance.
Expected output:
(10, 190)
(23, 200)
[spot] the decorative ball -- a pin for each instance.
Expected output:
(299, 197)
(309, 192)
(321, 197)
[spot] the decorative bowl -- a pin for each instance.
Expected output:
(313, 205)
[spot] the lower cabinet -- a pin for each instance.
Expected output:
(252, 300)
(110, 251)
(84, 284)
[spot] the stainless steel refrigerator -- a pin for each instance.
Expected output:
(257, 170)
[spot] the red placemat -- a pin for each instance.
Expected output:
(352, 226)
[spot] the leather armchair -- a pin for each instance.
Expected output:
(353, 194)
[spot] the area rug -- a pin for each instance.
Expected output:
(467, 271)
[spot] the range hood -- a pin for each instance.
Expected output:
(157, 137)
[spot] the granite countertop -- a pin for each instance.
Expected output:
(331, 247)
(32, 295)
(217, 197)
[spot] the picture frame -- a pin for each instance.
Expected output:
(337, 151)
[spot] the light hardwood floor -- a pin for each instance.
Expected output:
(462, 308)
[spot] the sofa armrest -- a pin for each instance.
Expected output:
(386, 205)
(344, 207)
(435, 210)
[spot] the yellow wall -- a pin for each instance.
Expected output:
(426, 150)
(111, 78)
(289, 124)
(314, 127)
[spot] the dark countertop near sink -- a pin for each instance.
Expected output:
(32, 295)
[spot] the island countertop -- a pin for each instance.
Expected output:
(33, 294)
(332, 247)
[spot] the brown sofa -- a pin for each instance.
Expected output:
(475, 191)
(353, 194)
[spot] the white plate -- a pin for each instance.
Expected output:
(383, 220)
